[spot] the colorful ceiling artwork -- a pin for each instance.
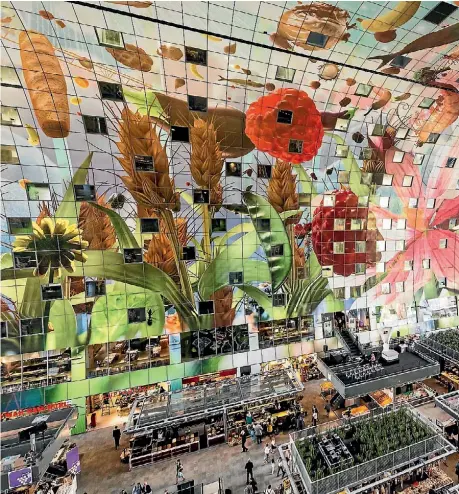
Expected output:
(170, 167)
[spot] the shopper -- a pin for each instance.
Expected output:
(273, 444)
(315, 417)
(243, 440)
(137, 489)
(179, 471)
(116, 436)
(146, 488)
(269, 490)
(372, 359)
(248, 418)
(258, 432)
(280, 467)
(269, 427)
(249, 470)
(248, 489)
(328, 408)
(267, 451)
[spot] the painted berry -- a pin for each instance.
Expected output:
(341, 234)
(268, 126)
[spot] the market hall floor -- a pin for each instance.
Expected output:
(102, 471)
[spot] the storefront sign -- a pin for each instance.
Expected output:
(20, 478)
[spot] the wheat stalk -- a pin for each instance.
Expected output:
(160, 253)
(96, 226)
(281, 190)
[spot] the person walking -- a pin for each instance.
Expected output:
(137, 489)
(273, 444)
(248, 418)
(280, 467)
(273, 466)
(267, 451)
(249, 470)
(328, 408)
(243, 440)
(315, 417)
(269, 490)
(146, 488)
(258, 432)
(179, 471)
(248, 489)
(116, 436)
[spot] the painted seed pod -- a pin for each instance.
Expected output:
(329, 71)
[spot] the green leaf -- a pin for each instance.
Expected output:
(431, 289)
(126, 238)
(189, 200)
(373, 281)
(355, 174)
(306, 185)
(63, 320)
(198, 248)
(220, 243)
(69, 209)
(259, 209)
(146, 102)
(31, 305)
(307, 296)
(6, 260)
(287, 214)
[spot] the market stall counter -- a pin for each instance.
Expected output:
(204, 415)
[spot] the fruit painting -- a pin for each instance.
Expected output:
(159, 185)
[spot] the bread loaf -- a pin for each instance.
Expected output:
(46, 83)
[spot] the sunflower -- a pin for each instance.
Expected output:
(57, 244)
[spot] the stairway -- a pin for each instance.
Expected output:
(349, 342)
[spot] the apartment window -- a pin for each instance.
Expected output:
(401, 224)
(180, 134)
(51, 291)
(342, 124)
(38, 192)
(452, 223)
(450, 162)
(398, 156)
(263, 224)
(387, 179)
(400, 61)
(360, 268)
(143, 163)
(339, 224)
(264, 171)
(284, 116)
(218, 225)
(201, 196)
(9, 77)
(329, 200)
(426, 103)
(380, 245)
(317, 39)
(24, 260)
(95, 288)
(441, 282)
(111, 91)
(31, 326)
(413, 202)
(295, 146)
(10, 116)
(399, 245)
(360, 247)
(9, 154)
(95, 125)
(443, 243)
(233, 169)
(235, 277)
(84, 193)
(278, 299)
(197, 103)
(380, 267)
(285, 74)
(385, 288)
(342, 151)
(363, 90)
(277, 250)
(379, 130)
(327, 271)
(430, 203)
(195, 55)
(356, 223)
(426, 264)
(407, 181)
(109, 38)
(362, 201)
(408, 265)
(339, 293)
(366, 178)
(338, 247)
(418, 159)
(399, 286)
(440, 12)
(188, 253)
(401, 133)
(136, 315)
(366, 154)
(132, 256)
(433, 138)
(19, 226)
(386, 224)
(149, 225)
(384, 202)
(343, 177)
(355, 291)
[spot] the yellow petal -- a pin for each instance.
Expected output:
(47, 225)
(61, 226)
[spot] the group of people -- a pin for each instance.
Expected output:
(138, 488)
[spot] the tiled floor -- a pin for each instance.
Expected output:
(102, 472)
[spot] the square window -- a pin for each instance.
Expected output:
(338, 247)
(360, 247)
(426, 264)
(4, 329)
(441, 282)
(400, 61)
(132, 256)
(95, 125)
(52, 291)
(387, 179)
(433, 138)
(387, 224)
(264, 171)
(9, 154)
(366, 178)
(95, 288)
(263, 224)
(401, 224)
(327, 271)
(180, 134)
(136, 315)
(110, 38)
(364, 90)
(143, 163)
(343, 177)
(278, 299)
(38, 192)
(426, 103)
(356, 291)
(408, 265)
(452, 223)
(195, 55)
(197, 103)
(440, 12)
(402, 133)
(295, 146)
(317, 39)
(379, 130)
(399, 245)
(356, 223)
(413, 202)
(385, 288)
(233, 169)
(218, 225)
(430, 203)
(285, 74)
(149, 225)
(380, 245)
(380, 267)
(339, 293)
(9, 77)
(31, 326)
(342, 151)
(407, 181)
(20, 226)
(360, 268)
(284, 116)
(418, 159)
(188, 253)
(450, 162)
(398, 156)
(111, 91)
(24, 260)
(236, 278)
(329, 200)
(277, 250)
(362, 201)
(201, 196)
(384, 202)
(10, 116)
(399, 286)
(443, 243)
(342, 124)
(84, 193)
(366, 154)
(339, 224)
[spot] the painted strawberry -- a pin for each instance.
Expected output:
(292, 142)
(344, 234)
